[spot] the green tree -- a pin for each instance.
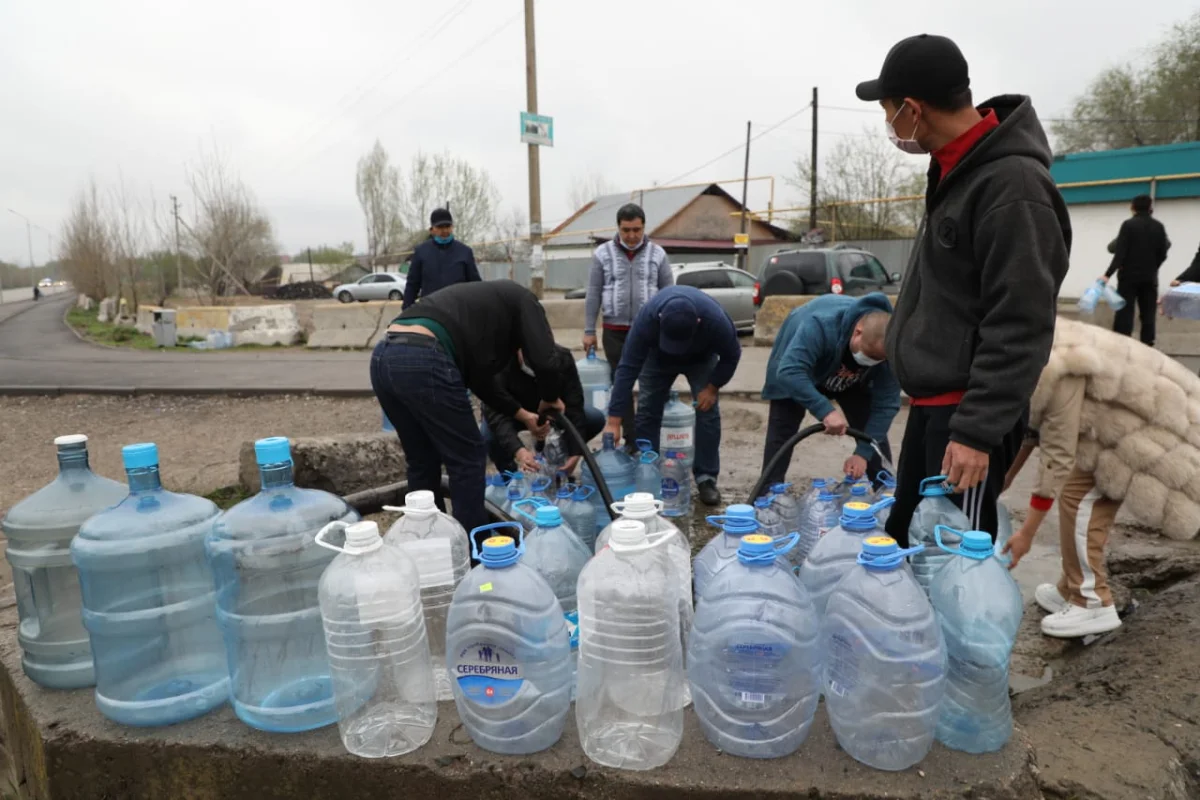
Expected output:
(327, 254)
(1155, 101)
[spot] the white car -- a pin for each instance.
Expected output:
(377, 286)
(46, 282)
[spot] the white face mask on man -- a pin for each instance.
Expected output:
(865, 360)
(909, 145)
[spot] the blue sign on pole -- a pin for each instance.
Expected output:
(536, 129)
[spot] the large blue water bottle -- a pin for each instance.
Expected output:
(737, 521)
(935, 509)
(979, 606)
(55, 651)
(837, 551)
(753, 656)
(149, 603)
(594, 378)
(267, 567)
(677, 433)
(508, 650)
(617, 469)
(647, 477)
(885, 660)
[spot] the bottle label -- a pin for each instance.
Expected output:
(600, 399)
(434, 562)
(754, 672)
(670, 489)
(487, 673)
(572, 618)
(678, 438)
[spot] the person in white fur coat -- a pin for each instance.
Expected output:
(1118, 423)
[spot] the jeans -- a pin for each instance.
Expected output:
(1144, 295)
(422, 393)
(614, 344)
(658, 375)
(504, 461)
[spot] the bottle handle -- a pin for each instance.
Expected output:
(880, 505)
(932, 480)
(587, 491)
(892, 559)
(620, 505)
(937, 537)
(536, 502)
(476, 549)
(337, 524)
(884, 477)
(784, 544)
(645, 445)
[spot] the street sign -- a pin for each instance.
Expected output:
(536, 129)
(741, 241)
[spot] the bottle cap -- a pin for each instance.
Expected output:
(70, 440)
(273, 450)
(976, 543)
(363, 537)
(547, 517)
(627, 533)
(499, 551)
(740, 510)
(764, 501)
(137, 456)
(756, 544)
(638, 505)
(780, 488)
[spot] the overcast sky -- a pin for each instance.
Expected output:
(294, 92)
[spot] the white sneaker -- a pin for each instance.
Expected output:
(1073, 622)
(1046, 595)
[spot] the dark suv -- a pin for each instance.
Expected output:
(831, 270)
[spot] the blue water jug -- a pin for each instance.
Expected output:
(55, 651)
(149, 603)
(979, 607)
(836, 553)
(267, 566)
(594, 377)
(554, 550)
(617, 469)
(884, 660)
(935, 509)
(677, 432)
(737, 521)
(508, 650)
(647, 478)
(496, 492)
(820, 517)
(753, 656)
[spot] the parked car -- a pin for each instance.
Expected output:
(828, 270)
(377, 286)
(733, 288)
(46, 282)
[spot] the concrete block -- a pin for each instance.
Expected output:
(108, 309)
(345, 324)
(265, 325)
(772, 313)
(389, 311)
(340, 464)
(197, 321)
(84, 302)
(566, 314)
(145, 319)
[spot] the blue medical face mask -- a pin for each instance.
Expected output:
(444, 239)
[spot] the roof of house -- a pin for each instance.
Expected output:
(1133, 168)
(299, 272)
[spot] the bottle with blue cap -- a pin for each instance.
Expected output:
(516, 490)
(595, 379)
(859, 493)
(884, 672)
(148, 601)
(508, 649)
(677, 432)
(836, 553)
(617, 468)
(886, 488)
(496, 492)
(553, 550)
(936, 508)
(820, 517)
(737, 521)
(979, 606)
(541, 487)
(788, 506)
(770, 519)
(753, 656)
(55, 651)
(632, 685)
(267, 566)
(575, 505)
(647, 477)
(374, 623)
(438, 546)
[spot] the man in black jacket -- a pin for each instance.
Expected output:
(1191, 274)
(456, 340)
(500, 430)
(1140, 249)
(439, 261)
(974, 320)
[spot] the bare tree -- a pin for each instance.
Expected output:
(128, 233)
(586, 188)
(436, 179)
(510, 241)
(378, 186)
(87, 251)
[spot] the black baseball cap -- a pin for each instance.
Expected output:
(925, 67)
(440, 216)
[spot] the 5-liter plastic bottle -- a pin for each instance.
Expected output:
(509, 650)
(617, 469)
(595, 378)
(677, 488)
(554, 551)
(753, 657)
(496, 492)
(837, 551)
(55, 651)
(885, 660)
(647, 477)
(378, 645)
(677, 433)
(578, 513)
(934, 509)
(738, 521)
(859, 493)
(1004, 532)
(979, 607)
(770, 520)
(542, 487)
(820, 517)
(517, 489)
(439, 548)
(267, 566)
(787, 505)
(631, 691)
(148, 601)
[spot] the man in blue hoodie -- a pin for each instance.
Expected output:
(439, 261)
(680, 331)
(832, 349)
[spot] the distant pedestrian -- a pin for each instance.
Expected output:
(1140, 249)
(37, 293)
(682, 331)
(1191, 274)
(626, 273)
(439, 261)
(975, 317)
(460, 339)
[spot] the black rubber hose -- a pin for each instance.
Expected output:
(800, 436)
(563, 423)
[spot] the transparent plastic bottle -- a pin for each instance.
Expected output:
(770, 520)
(509, 650)
(595, 378)
(522, 511)
(738, 521)
(884, 660)
(630, 698)
(541, 488)
(934, 509)
(753, 657)
(820, 517)
(979, 607)
(788, 506)
(1091, 297)
(836, 553)
(578, 513)
(496, 492)
(267, 566)
(677, 487)
(517, 489)
(859, 493)
(647, 476)
(554, 551)
(439, 548)
(55, 651)
(378, 645)
(149, 603)
(677, 434)
(617, 469)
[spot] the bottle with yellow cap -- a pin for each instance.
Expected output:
(837, 551)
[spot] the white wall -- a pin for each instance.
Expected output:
(1095, 225)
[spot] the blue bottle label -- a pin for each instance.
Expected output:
(670, 488)
(572, 618)
(487, 673)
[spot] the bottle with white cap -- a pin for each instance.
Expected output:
(439, 547)
(149, 602)
(377, 642)
(55, 650)
(631, 692)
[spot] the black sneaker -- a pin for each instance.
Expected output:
(709, 495)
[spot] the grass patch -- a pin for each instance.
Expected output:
(229, 496)
(87, 322)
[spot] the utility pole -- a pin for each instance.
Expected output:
(29, 241)
(812, 189)
(311, 279)
(744, 254)
(178, 262)
(537, 277)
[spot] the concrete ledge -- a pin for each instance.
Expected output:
(565, 313)
(346, 324)
(339, 464)
(772, 313)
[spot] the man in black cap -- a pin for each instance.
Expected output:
(439, 261)
(974, 321)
